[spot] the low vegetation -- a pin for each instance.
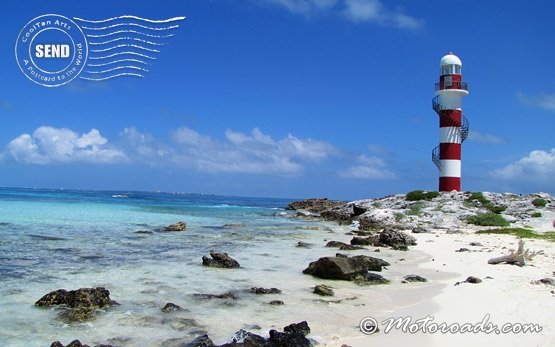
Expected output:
(521, 233)
(485, 203)
(539, 202)
(416, 209)
(417, 195)
(488, 219)
(399, 216)
(536, 215)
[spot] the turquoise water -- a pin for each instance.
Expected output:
(52, 239)
(80, 230)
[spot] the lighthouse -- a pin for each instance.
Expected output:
(453, 126)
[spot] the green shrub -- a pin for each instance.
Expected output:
(496, 208)
(521, 232)
(415, 210)
(536, 215)
(480, 197)
(399, 217)
(488, 219)
(417, 195)
(539, 202)
(487, 204)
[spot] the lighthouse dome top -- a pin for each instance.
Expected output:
(450, 59)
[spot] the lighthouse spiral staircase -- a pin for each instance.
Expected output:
(464, 128)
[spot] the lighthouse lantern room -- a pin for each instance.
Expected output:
(453, 126)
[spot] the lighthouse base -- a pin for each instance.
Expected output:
(447, 184)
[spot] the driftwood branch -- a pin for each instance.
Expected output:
(517, 258)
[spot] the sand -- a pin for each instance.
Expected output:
(510, 296)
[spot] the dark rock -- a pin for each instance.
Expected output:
(201, 341)
(477, 244)
(301, 244)
(314, 205)
(343, 213)
(420, 230)
(340, 255)
(171, 307)
(463, 250)
(323, 290)
(371, 223)
(344, 268)
(342, 246)
(76, 314)
(75, 343)
(301, 328)
(349, 248)
(276, 303)
(472, 279)
(179, 226)
(227, 295)
(396, 239)
(220, 260)
(335, 244)
(260, 290)
(243, 338)
(364, 241)
(414, 278)
(278, 339)
(370, 278)
(549, 281)
(143, 232)
(93, 298)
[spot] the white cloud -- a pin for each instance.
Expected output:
(372, 11)
(60, 145)
(545, 101)
(538, 165)
(369, 168)
(485, 138)
(247, 153)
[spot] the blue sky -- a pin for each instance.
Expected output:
(290, 98)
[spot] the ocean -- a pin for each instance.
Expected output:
(53, 239)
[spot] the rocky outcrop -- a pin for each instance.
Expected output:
(179, 226)
(413, 278)
(301, 328)
(84, 297)
(343, 267)
(171, 307)
(344, 213)
(323, 290)
(80, 304)
(364, 241)
(75, 343)
(394, 238)
(260, 290)
(220, 260)
(314, 205)
(342, 246)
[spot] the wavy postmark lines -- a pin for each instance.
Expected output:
(52, 50)
(124, 45)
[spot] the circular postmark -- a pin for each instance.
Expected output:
(51, 50)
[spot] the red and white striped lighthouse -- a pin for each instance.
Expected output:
(453, 126)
